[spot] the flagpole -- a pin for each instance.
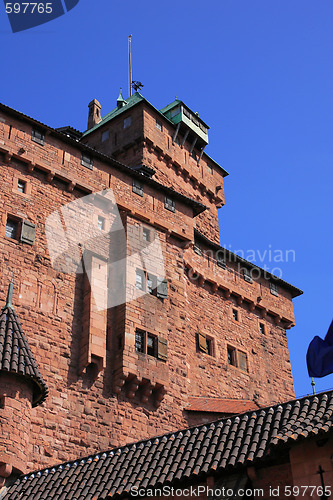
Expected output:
(313, 385)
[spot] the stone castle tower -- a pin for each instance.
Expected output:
(139, 322)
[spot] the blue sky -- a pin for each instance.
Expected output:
(260, 74)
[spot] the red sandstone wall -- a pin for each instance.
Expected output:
(143, 143)
(15, 413)
(83, 414)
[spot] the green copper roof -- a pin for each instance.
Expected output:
(130, 102)
(170, 106)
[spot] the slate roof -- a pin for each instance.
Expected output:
(191, 454)
(220, 405)
(16, 356)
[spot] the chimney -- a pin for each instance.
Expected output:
(94, 116)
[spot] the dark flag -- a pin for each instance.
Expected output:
(319, 357)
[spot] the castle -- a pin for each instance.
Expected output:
(128, 316)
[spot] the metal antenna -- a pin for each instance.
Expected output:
(130, 65)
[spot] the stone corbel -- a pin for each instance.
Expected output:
(50, 177)
(71, 186)
(8, 157)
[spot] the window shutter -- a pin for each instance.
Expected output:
(162, 349)
(28, 232)
(247, 275)
(162, 288)
(242, 361)
(202, 342)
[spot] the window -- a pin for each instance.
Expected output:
(139, 341)
(209, 169)
(145, 234)
(128, 122)
(237, 358)
(262, 328)
(220, 259)
(273, 288)
(196, 247)
(21, 186)
(247, 275)
(169, 204)
(140, 279)
(232, 358)
(105, 135)
(38, 136)
(159, 125)
(137, 187)
(12, 229)
(101, 223)
(235, 314)
(151, 345)
(204, 343)
(151, 284)
(22, 230)
(86, 161)
(148, 343)
(194, 155)
(177, 140)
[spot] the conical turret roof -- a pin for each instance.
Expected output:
(15, 354)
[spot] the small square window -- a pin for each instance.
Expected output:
(159, 125)
(235, 314)
(87, 161)
(12, 229)
(101, 223)
(38, 136)
(128, 122)
(273, 288)
(262, 328)
(151, 345)
(21, 186)
(145, 234)
(140, 341)
(169, 204)
(105, 135)
(137, 187)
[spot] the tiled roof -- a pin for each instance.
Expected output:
(187, 454)
(16, 356)
(220, 405)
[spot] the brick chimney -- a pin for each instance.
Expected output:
(21, 388)
(94, 116)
